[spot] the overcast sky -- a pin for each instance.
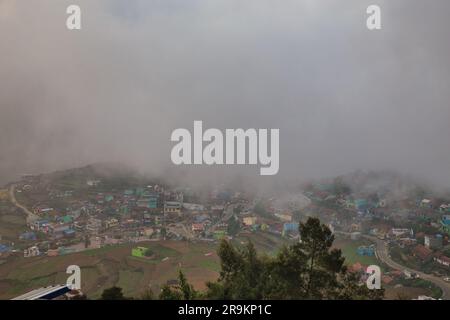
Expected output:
(343, 97)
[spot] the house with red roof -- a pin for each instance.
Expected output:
(443, 260)
(422, 252)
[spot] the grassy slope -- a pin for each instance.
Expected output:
(113, 265)
(349, 248)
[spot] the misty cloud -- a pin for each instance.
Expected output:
(343, 97)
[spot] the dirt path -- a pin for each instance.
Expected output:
(30, 215)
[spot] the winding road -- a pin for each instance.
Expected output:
(30, 215)
(383, 255)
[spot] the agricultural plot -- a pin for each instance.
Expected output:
(114, 265)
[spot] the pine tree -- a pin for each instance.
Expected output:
(167, 293)
(310, 269)
(187, 290)
(183, 291)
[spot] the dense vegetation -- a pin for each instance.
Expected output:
(309, 269)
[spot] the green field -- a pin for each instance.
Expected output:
(12, 221)
(114, 265)
(349, 248)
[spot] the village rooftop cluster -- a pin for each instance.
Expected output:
(392, 222)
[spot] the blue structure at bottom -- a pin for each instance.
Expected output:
(366, 251)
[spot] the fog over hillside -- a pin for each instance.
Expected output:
(344, 98)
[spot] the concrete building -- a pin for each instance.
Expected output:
(31, 252)
(249, 221)
(284, 216)
(172, 207)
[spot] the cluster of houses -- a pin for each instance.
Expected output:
(276, 225)
(390, 277)
(423, 247)
(382, 204)
(57, 228)
(130, 214)
(381, 215)
(102, 214)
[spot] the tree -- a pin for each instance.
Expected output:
(87, 241)
(242, 274)
(187, 290)
(233, 226)
(297, 215)
(310, 269)
(286, 274)
(113, 293)
(148, 253)
(148, 295)
(167, 293)
(183, 291)
(322, 264)
(260, 209)
(352, 289)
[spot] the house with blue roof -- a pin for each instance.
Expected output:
(28, 236)
(4, 248)
(366, 251)
(290, 227)
(69, 233)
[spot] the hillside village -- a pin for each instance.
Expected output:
(64, 220)
(75, 211)
(413, 226)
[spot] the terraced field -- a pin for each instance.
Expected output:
(114, 265)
